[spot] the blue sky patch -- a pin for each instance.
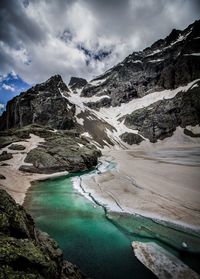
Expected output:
(11, 85)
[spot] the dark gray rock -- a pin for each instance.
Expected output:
(167, 64)
(77, 83)
(191, 134)
(25, 251)
(61, 151)
(104, 102)
(2, 176)
(42, 104)
(160, 119)
(4, 165)
(16, 147)
(14, 135)
(5, 156)
(131, 138)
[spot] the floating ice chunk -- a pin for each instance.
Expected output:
(162, 263)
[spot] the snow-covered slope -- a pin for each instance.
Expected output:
(149, 94)
(106, 125)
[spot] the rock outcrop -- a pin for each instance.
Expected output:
(160, 119)
(77, 83)
(103, 102)
(61, 151)
(5, 156)
(16, 147)
(131, 138)
(2, 176)
(42, 104)
(167, 64)
(27, 252)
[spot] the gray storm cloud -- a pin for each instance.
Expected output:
(82, 37)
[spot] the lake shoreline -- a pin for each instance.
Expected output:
(143, 187)
(123, 189)
(43, 201)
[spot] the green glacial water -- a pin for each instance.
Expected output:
(99, 243)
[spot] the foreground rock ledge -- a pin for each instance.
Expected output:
(59, 151)
(161, 262)
(27, 252)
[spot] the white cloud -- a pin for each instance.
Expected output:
(8, 87)
(49, 37)
(2, 107)
(2, 77)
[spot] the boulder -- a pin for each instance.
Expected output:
(16, 147)
(5, 156)
(131, 138)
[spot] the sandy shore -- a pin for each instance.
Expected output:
(17, 182)
(150, 185)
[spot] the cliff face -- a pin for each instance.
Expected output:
(42, 104)
(160, 119)
(167, 64)
(25, 251)
(76, 83)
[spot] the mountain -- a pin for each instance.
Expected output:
(167, 64)
(151, 92)
(145, 97)
(40, 105)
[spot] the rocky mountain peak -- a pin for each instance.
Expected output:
(173, 35)
(53, 84)
(77, 83)
(55, 78)
(166, 64)
(42, 104)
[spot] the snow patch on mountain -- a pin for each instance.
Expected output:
(113, 115)
(86, 134)
(192, 54)
(97, 82)
(156, 60)
(194, 129)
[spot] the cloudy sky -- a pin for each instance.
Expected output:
(39, 38)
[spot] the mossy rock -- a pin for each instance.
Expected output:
(26, 252)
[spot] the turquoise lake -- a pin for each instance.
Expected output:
(99, 243)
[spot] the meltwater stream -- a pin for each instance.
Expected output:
(87, 237)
